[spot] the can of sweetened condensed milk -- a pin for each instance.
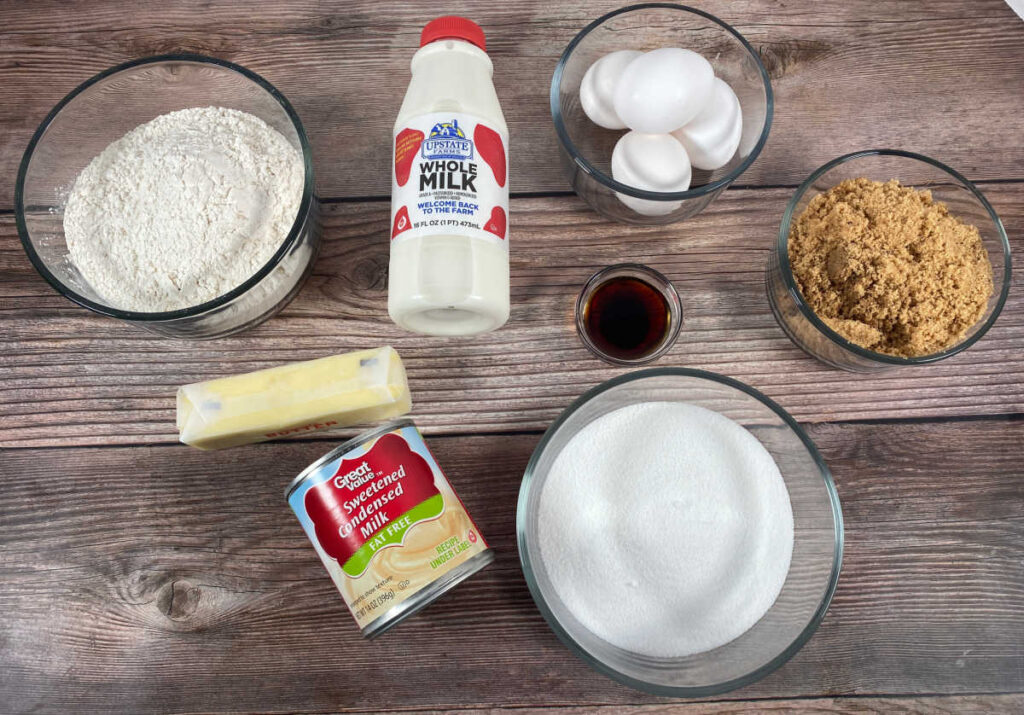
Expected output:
(387, 525)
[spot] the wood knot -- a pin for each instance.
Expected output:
(790, 56)
(178, 600)
(370, 274)
(207, 45)
(140, 586)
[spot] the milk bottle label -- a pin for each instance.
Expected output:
(450, 178)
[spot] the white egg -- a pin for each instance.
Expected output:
(652, 162)
(597, 90)
(712, 136)
(662, 90)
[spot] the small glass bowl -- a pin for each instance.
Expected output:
(964, 200)
(105, 108)
(586, 149)
(648, 276)
(817, 546)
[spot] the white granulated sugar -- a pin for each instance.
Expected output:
(666, 528)
(183, 208)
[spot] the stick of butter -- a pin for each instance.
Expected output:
(337, 391)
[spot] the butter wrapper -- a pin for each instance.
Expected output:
(337, 391)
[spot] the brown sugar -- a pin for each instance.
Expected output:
(890, 269)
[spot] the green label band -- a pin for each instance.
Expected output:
(392, 534)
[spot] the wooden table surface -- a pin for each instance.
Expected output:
(140, 575)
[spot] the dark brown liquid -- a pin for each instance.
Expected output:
(626, 318)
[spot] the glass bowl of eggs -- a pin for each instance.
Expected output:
(658, 108)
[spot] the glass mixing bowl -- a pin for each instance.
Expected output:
(817, 547)
(586, 149)
(105, 108)
(964, 201)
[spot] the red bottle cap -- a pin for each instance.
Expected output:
(453, 27)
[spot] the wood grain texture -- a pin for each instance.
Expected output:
(932, 705)
(149, 577)
(72, 378)
(940, 77)
(168, 579)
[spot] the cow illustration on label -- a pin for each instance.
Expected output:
(401, 221)
(497, 223)
(492, 151)
(407, 144)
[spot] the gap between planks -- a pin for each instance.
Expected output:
(921, 704)
(348, 434)
(570, 194)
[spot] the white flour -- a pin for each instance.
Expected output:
(666, 528)
(183, 208)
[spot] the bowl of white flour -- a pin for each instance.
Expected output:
(173, 192)
(679, 532)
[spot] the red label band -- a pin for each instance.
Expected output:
(366, 494)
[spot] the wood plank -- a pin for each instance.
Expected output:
(164, 578)
(942, 705)
(940, 77)
(72, 378)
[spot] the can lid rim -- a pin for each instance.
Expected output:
(344, 447)
(428, 594)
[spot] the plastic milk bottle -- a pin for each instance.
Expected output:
(449, 190)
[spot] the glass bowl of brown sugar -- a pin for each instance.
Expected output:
(887, 258)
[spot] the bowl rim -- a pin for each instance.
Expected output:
(191, 311)
(563, 635)
(603, 178)
(658, 281)
(782, 250)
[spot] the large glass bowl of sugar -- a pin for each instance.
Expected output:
(817, 537)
